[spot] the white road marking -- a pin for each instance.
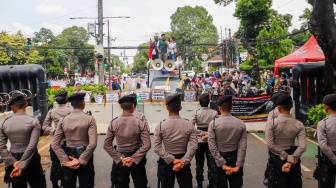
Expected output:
(262, 140)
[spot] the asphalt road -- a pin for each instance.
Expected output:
(256, 159)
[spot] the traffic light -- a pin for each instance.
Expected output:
(29, 44)
(105, 62)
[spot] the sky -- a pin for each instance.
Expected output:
(147, 17)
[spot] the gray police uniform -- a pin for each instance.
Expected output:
(280, 136)
(23, 132)
(201, 118)
(80, 132)
(132, 138)
(54, 115)
(227, 144)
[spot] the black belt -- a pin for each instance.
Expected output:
(128, 154)
(228, 153)
(179, 156)
(202, 129)
(276, 158)
(18, 156)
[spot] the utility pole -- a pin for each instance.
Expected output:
(100, 41)
(109, 53)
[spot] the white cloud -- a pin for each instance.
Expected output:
(26, 30)
(56, 29)
(118, 11)
(50, 9)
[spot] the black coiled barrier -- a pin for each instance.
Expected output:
(28, 80)
(307, 87)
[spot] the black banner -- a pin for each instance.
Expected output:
(252, 108)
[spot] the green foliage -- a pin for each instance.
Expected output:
(246, 66)
(275, 49)
(193, 25)
(301, 38)
(305, 18)
(96, 89)
(44, 35)
(316, 114)
(141, 59)
(18, 46)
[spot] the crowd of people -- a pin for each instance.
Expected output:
(238, 83)
(163, 49)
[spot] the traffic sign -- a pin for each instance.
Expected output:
(65, 69)
(204, 64)
(204, 57)
(76, 70)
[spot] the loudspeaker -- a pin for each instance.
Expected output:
(169, 65)
(157, 64)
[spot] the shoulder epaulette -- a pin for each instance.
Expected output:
(114, 119)
(186, 119)
(161, 123)
(6, 120)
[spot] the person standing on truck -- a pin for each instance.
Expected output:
(154, 46)
(163, 45)
(22, 161)
(55, 115)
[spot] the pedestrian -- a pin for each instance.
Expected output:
(284, 169)
(172, 49)
(115, 85)
(72, 81)
(133, 143)
(22, 161)
(326, 131)
(78, 88)
(80, 132)
(227, 144)
(54, 116)
(129, 82)
(201, 118)
(154, 46)
(139, 81)
(175, 133)
(163, 45)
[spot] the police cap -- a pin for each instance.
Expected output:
(284, 99)
(204, 96)
(77, 97)
(276, 96)
(15, 98)
(127, 99)
(225, 98)
(61, 94)
(329, 99)
(173, 98)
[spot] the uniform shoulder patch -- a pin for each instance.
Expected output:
(114, 119)
(6, 120)
(186, 119)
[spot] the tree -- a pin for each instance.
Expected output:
(19, 53)
(305, 17)
(300, 37)
(141, 59)
(274, 49)
(44, 35)
(252, 15)
(322, 25)
(193, 25)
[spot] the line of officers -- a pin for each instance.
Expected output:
(219, 140)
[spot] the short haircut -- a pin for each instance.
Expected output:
(126, 106)
(173, 38)
(174, 106)
(135, 103)
(287, 107)
(226, 106)
(76, 103)
(332, 106)
(20, 104)
(204, 102)
(163, 34)
(78, 84)
(61, 100)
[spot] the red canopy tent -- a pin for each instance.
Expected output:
(309, 52)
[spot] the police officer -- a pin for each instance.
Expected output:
(326, 133)
(55, 115)
(284, 156)
(136, 112)
(201, 118)
(227, 144)
(132, 138)
(175, 133)
(271, 115)
(22, 162)
(80, 132)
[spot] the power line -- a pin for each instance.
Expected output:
(285, 4)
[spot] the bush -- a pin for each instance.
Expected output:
(316, 114)
(96, 89)
(246, 66)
